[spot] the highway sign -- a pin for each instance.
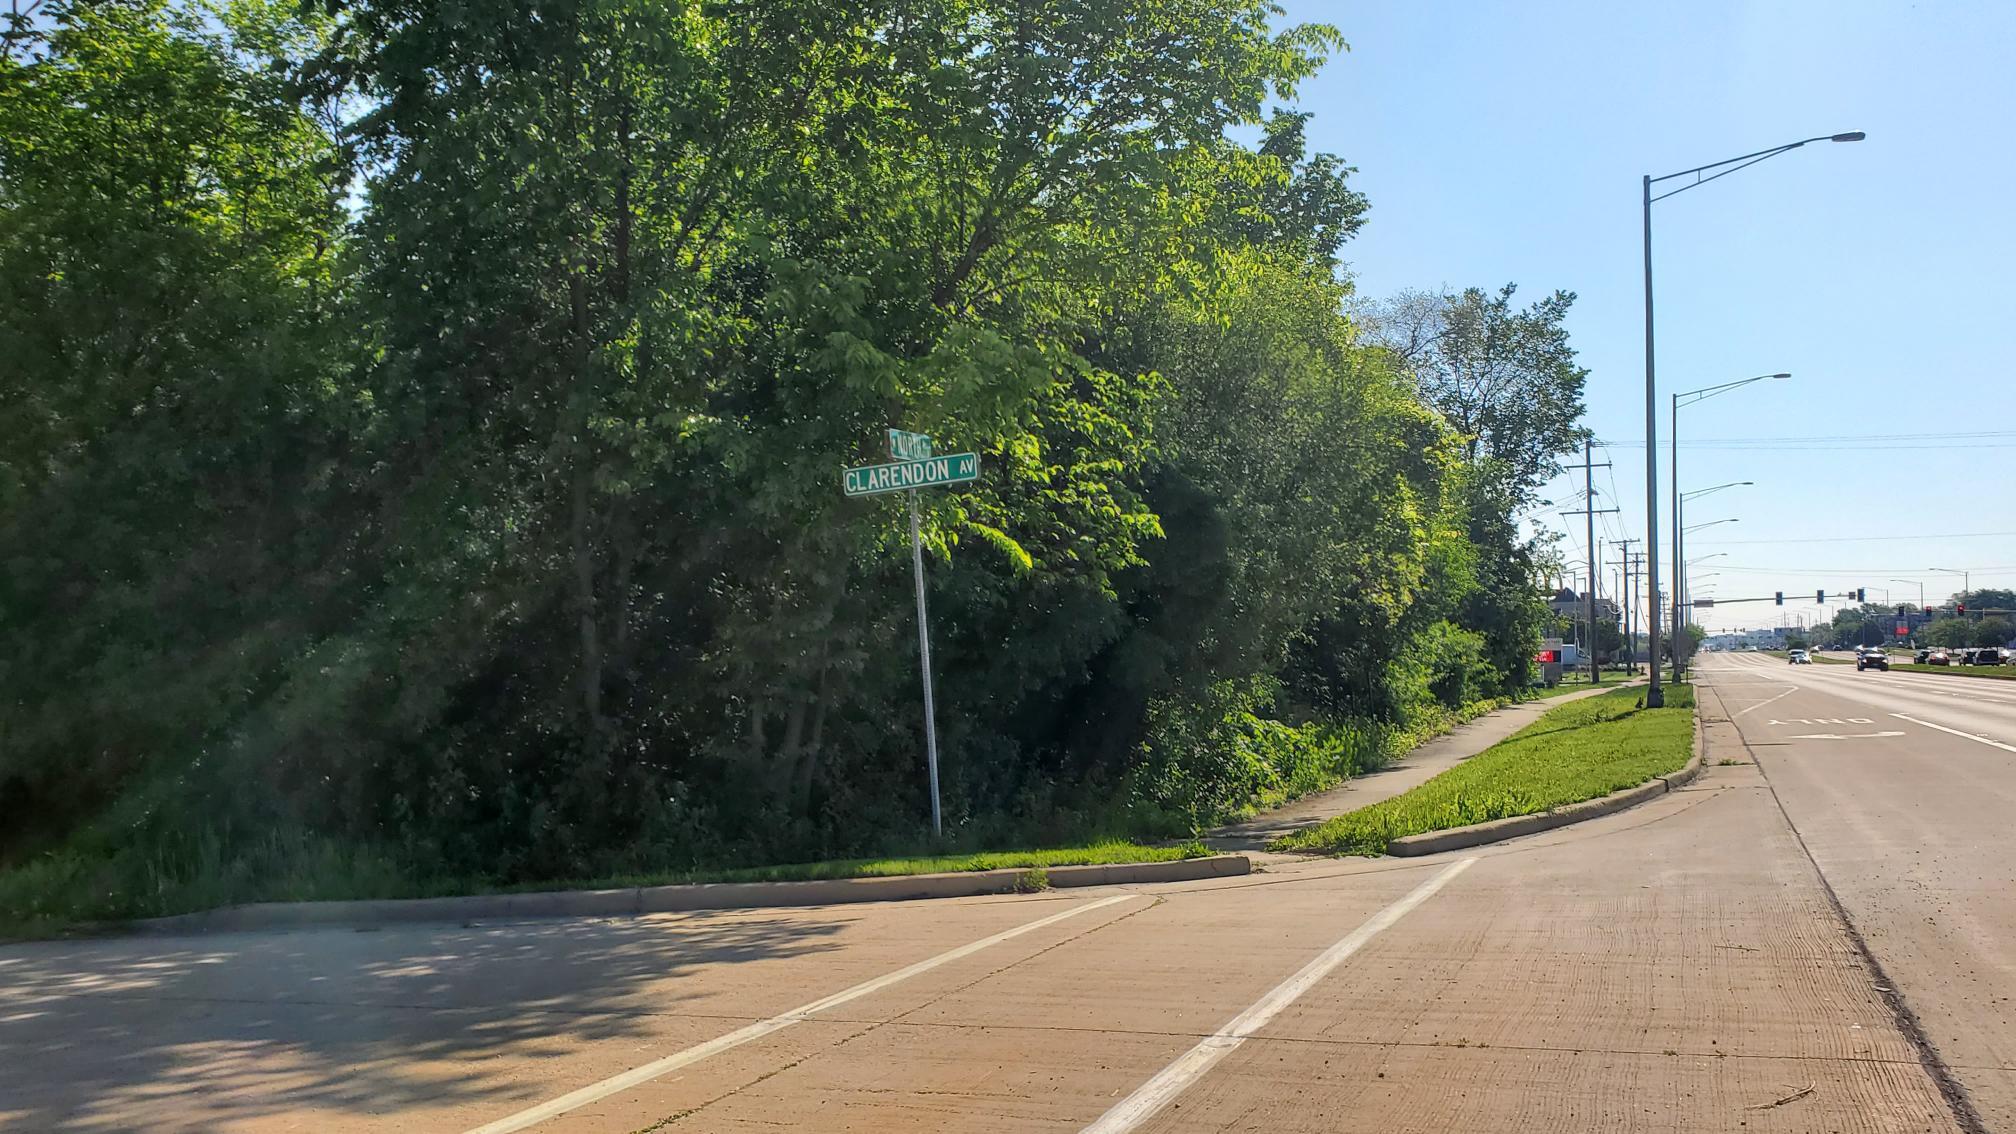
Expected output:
(931, 472)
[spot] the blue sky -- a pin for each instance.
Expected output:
(1504, 142)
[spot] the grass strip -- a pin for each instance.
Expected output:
(1610, 681)
(55, 896)
(1577, 751)
(1998, 673)
(1094, 854)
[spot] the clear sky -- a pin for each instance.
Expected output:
(1504, 142)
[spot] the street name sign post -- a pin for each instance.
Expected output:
(930, 472)
(915, 468)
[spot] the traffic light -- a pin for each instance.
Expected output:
(1781, 598)
(1861, 594)
(1901, 612)
(1820, 596)
(1959, 610)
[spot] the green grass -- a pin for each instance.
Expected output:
(1577, 751)
(1610, 680)
(63, 893)
(1996, 672)
(1094, 854)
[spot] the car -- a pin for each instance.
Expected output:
(1987, 655)
(1872, 659)
(1799, 657)
(1938, 657)
(1919, 657)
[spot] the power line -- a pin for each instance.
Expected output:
(1830, 439)
(1860, 539)
(1996, 569)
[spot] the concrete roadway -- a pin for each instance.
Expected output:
(1683, 966)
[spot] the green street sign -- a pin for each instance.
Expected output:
(952, 468)
(905, 446)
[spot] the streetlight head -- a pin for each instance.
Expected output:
(1781, 376)
(1850, 136)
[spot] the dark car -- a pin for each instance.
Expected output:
(1987, 655)
(1872, 659)
(1919, 657)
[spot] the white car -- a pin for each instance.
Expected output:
(1799, 657)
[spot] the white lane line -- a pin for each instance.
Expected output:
(1172, 1080)
(649, 1071)
(1768, 700)
(1957, 732)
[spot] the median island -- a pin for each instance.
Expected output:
(1582, 750)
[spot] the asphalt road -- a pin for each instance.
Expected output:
(1910, 814)
(1683, 966)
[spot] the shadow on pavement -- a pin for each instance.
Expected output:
(241, 1026)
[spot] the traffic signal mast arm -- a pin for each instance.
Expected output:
(1778, 597)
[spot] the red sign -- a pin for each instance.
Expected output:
(1902, 629)
(1545, 656)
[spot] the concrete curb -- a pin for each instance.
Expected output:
(1497, 830)
(630, 902)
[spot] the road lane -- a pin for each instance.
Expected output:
(1913, 831)
(1045, 1044)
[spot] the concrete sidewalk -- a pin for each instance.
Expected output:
(1417, 768)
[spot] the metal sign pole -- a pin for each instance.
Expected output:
(924, 657)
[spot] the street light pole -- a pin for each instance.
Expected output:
(1654, 698)
(1680, 500)
(1921, 590)
(1688, 398)
(1921, 603)
(1966, 580)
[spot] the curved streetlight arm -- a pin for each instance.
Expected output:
(1966, 579)
(1704, 393)
(1717, 488)
(1727, 166)
(1709, 524)
(1654, 697)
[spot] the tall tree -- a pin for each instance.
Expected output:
(1505, 378)
(171, 280)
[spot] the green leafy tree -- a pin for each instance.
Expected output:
(1989, 598)
(1505, 378)
(1949, 633)
(1993, 632)
(422, 427)
(172, 283)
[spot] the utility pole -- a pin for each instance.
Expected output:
(1590, 511)
(1625, 595)
(1638, 606)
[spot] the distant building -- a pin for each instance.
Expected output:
(1570, 605)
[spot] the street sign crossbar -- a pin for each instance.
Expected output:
(952, 468)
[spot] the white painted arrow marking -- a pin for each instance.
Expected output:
(1841, 736)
